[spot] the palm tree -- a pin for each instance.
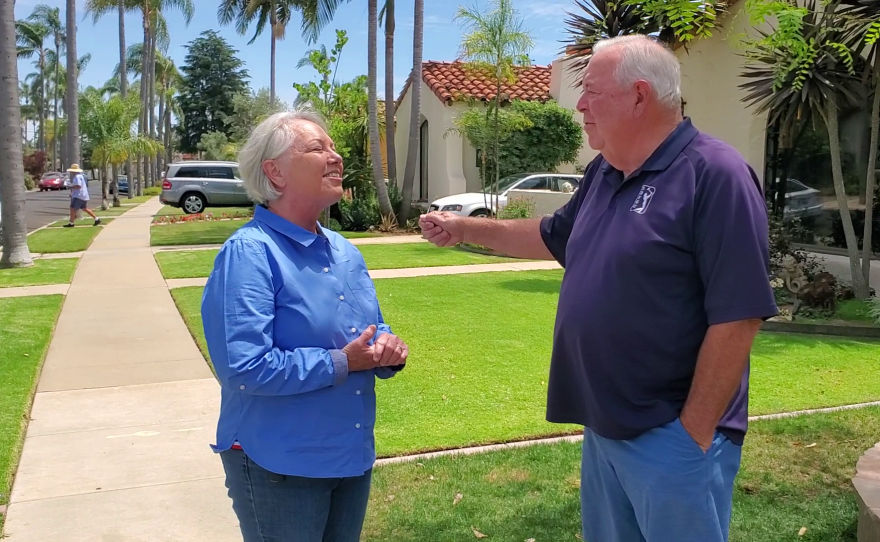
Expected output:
(108, 126)
(72, 101)
(372, 109)
(390, 150)
(50, 18)
(496, 44)
(30, 37)
(277, 13)
(28, 110)
(865, 18)
(14, 229)
(811, 75)
(412, 149)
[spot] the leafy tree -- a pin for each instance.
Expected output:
(212, 76)
(552, 138)
(218, 147)
(248, 110)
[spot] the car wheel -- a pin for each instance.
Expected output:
(481, 213)
(193, 203)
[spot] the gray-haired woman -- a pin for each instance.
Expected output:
(297, 339)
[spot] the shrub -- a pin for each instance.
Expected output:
(152, 191)
(518, 208)
(359, 213)
(334, 225)
(782, 238)
(29, 181)
(35, 163)
(874, 309)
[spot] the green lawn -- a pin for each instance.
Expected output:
(198, 263)
(84, 221)
(168, 210)
(850, 310)
(54, 240)
(26, 325)
(43, 272)
(533, 493)
(480, 349)
(212, 232)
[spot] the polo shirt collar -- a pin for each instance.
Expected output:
(668, 151)
(289, 229)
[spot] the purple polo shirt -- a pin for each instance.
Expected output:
(650, 263)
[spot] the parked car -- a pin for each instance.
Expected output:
(121, 184)
(801, 201)
(193, 186)
(52, 181)
(482, 203)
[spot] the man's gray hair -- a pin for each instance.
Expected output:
(643, 58)
(269, 140)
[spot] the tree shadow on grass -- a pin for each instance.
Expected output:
(541, 286)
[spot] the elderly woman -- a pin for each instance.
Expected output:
(297, 339)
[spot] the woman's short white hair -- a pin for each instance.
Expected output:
(269, 140)
(644, 58)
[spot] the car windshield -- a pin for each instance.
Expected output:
(794, 186)
(506, 182)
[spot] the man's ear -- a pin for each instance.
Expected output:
(643, 93)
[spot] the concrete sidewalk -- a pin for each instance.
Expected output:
(117, 447)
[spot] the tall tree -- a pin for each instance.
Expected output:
(14, 229)
(496, 43)
(212, 76)
(415, 89)
(806, 69)
(390, 150)
(275, 13)
(372, 105)
(30, 37)
(123, 88)
(72, 100)
(50, 18)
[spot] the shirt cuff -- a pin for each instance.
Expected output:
(340, 367)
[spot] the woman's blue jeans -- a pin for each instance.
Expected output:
(276, 508)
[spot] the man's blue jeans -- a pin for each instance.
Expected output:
(274, 508)
(657, 487)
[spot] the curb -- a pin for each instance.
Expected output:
(579, 437)
(856, 330)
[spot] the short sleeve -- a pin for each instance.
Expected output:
(731, 244)
(556, 228)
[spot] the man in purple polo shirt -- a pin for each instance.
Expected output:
(666, 262)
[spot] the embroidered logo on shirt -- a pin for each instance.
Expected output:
(646, 194)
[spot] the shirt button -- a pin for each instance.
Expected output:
(342, 298)
(326, 269)
(357, 426)
(358, 392)
(354, 330)
(241, 387)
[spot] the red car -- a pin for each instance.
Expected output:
(52, 181)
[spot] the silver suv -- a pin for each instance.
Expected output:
(193, 186)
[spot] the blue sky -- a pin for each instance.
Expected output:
(544, 19)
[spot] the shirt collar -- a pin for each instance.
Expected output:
(668, 151)
(289, 229)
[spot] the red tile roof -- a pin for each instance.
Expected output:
(450, 82)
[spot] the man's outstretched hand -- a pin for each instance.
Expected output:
(442, 229)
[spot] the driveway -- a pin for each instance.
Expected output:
(839, 267)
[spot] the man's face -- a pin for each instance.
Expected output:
(607, 108)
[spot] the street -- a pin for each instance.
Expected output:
(43, 208)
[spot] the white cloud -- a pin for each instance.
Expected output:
(546, 10)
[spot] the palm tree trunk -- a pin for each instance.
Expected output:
(105, 186)
(390, 150)
(495, 145)
(415, 115)
(860, 288)
(273, 22)
(160, 127)
(55, 114)
(114, 182)
(43, 101)
(123, 86)
(72, 99)
(154, 164)
(169, 156)
(142, 122)
(375, 146)
(871, 177)
(12, 197)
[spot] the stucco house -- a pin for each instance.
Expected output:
(448, 163)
